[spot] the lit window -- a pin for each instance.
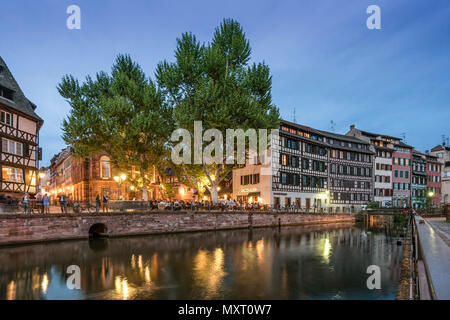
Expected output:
(105, 168)
(12, 174)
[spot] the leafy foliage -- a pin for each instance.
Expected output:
(215, 84)
(123, 114)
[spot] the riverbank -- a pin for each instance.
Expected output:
(23, 229)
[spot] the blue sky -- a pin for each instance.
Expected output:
(325, 63)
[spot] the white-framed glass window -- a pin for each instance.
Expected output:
(12, 174)
(105, 168)
(13, 147)
(6, 118)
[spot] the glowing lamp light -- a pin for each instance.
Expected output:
(430, 194)
(132, 188)
(41, 175)
(250, 199)
(116, 178)
(218, 188)
(123, 176)
(205, 198)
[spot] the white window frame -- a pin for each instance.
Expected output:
(3, 118)
(10, 146)
(16, 173)
(102, 174)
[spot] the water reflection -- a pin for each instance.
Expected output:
(311, 262)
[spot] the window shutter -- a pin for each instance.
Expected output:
(26, 150)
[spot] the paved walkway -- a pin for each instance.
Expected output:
(436, 254)
(442, 227)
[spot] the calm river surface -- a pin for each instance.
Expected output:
(305, 262)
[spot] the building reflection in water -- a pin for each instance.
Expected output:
(314, 262)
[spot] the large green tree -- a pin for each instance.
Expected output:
(214, 83)
(122, 113)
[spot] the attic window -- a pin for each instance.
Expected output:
(6, 93)
(6, 118)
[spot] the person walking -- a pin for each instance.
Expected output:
(97, 203)
(62, 203)
(26, 202)
(46, 203)
(39, 203)
(105, 203)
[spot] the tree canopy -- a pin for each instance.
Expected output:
(214, 83)
(123, 113)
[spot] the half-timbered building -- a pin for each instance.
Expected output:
(19, 134)
(300, 172)
(350, 172)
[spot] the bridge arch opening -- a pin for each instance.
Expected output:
(98, 230)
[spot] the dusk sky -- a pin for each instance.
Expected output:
(326, 64)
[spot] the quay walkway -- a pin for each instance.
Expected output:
(433, 237)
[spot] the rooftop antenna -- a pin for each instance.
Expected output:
(332, 125)
(444, 140)
(295, 120)
(403, 136)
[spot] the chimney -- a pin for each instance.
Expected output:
(352, 126)
(427, 152)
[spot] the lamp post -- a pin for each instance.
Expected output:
(430, 196)
(120, 179)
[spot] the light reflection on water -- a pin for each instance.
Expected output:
(310, 262)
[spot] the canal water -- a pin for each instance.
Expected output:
(304, 262)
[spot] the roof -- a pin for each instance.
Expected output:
(331, 135)
(440, 148)
(371, 134)
(342, 137)
(402, 144)
(20, 103)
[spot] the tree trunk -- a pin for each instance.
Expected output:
(144, 193)
(214, 194)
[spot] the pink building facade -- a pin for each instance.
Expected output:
(401, 176)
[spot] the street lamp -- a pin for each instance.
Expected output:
(430, 195)
(120, 179)
(41, 176)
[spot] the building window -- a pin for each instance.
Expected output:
(12, 174)
(284, 178)
(6, 93)
(284, 160)
(13, 147)
(105, 168)
(6, 118)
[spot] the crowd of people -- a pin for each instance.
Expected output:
(41, 204)
(223, 205)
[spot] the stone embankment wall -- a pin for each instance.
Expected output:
(17, 229)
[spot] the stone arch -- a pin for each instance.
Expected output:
(98, 230)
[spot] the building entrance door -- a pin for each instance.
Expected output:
(276, 202)
(308, 203)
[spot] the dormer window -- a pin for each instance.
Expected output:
(6, 93)
(6, 118)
